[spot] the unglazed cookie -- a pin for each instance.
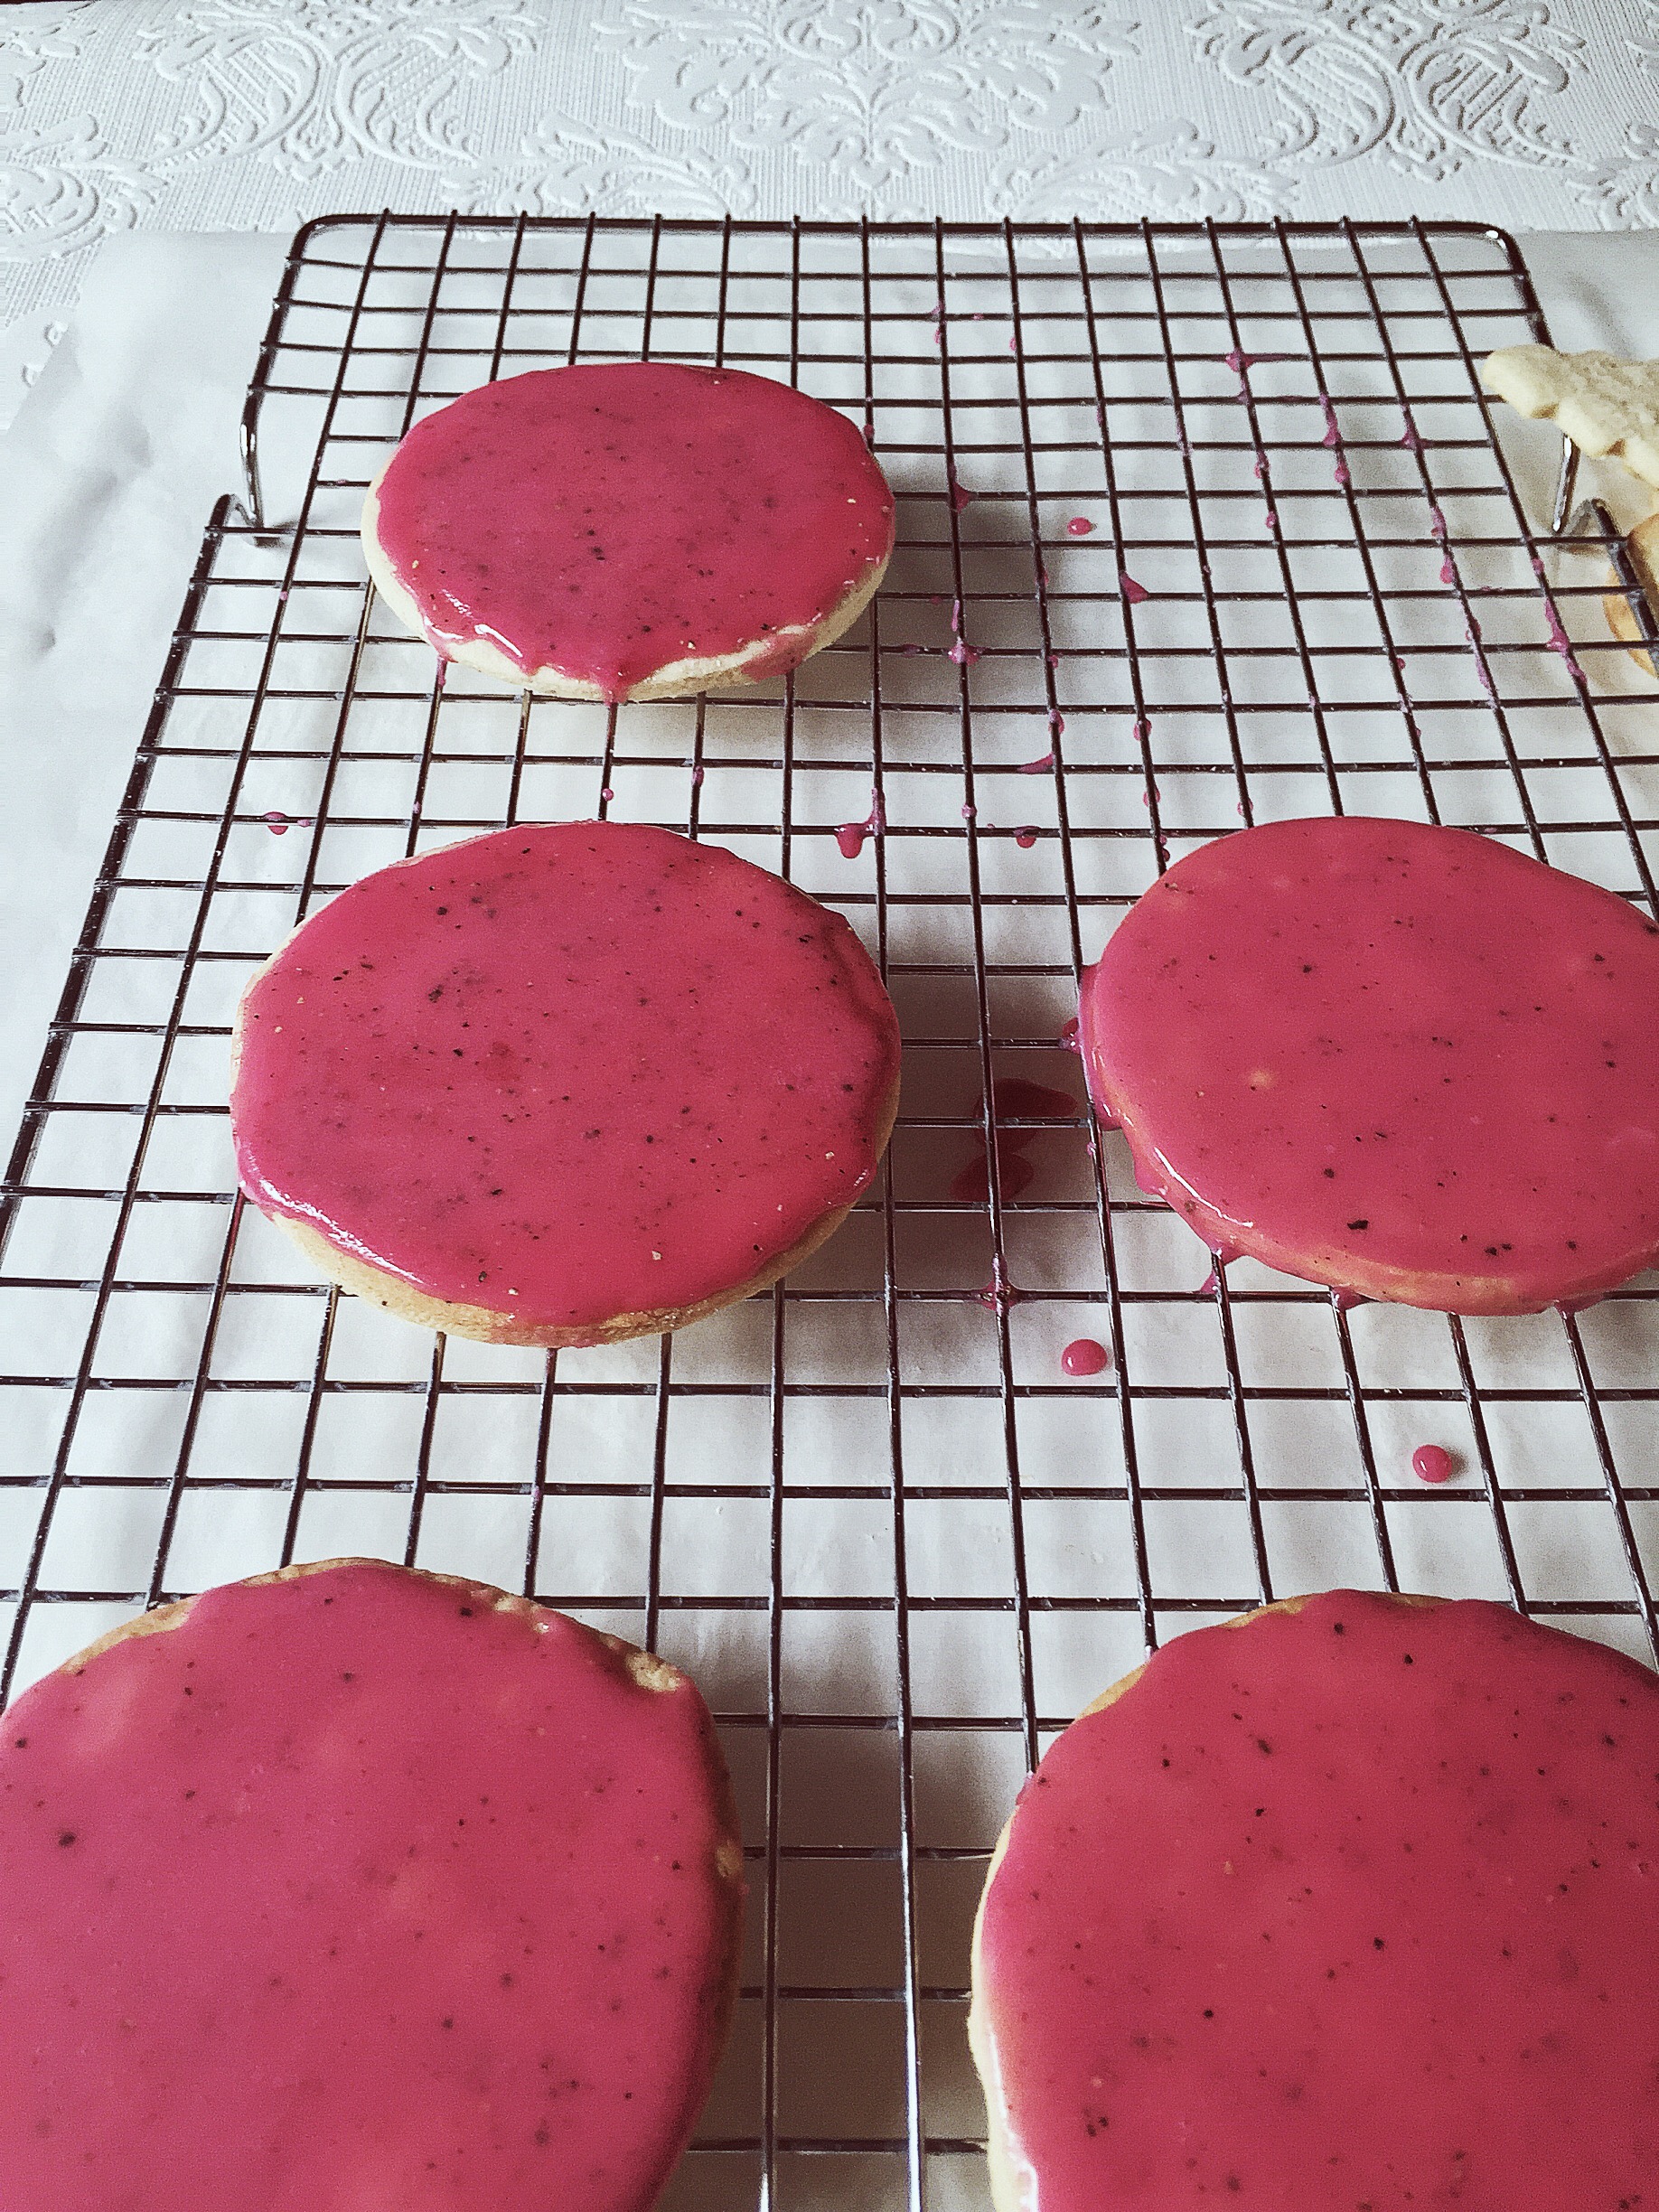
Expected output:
(1404, 1062)
(1352, 1903)
(565, 1083)
(353, 1888)
(639, 530)
(1604, 404)
(1643, 547)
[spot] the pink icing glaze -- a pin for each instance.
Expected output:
(516, 1072)
(1353, 1907)
(353, 1891)
(1398, 1060)
(606, 521)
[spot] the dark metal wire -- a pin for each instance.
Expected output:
(393, 312)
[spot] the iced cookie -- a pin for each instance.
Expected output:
(565, 1083)
(1352, 1903)
(1405, 1062)
(639, 530)
(350, 1887)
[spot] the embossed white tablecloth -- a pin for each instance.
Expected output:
(210, 115)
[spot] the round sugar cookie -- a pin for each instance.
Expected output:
(564, 1083)
(351, 1887)
(1353, 1902)
(630, 530)
(1405, 1062)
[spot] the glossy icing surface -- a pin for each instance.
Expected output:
(1404, 1061)
(608, 522)
(1354, 1907)
(353, 1892)
(566, 1072)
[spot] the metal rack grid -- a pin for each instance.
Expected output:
(895, 1543)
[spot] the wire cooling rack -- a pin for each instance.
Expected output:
(1197, 526)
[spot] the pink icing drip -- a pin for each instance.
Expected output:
(1068, 1037)
(1035, 767)
(353, 1890)
(1490, 1141)
(567, 1072)
(1559, 638)
(1025, 838)
(606, 521)
(1411, 440)
(1354, 1906)
(960, 496)
(1013, 1099)
(962, 653)
(1132, 592)
(1079, 526)
(850, 836)
(278, 823)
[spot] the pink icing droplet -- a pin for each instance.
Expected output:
(696, 775)
(1025, 838)
(1270, 521)
(1068, 1037)
(1084, 1355)
(1079, 526)
(960, 496)
(968, 813)
(1410, 441)
(278, 824)
(1448, 575)
(607, 794)
(1333, 436)
(1132, 592)
(1432, 1463)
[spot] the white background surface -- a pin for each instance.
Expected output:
(190, 115)
(160, 127)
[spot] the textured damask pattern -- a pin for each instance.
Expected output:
(254, 114)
